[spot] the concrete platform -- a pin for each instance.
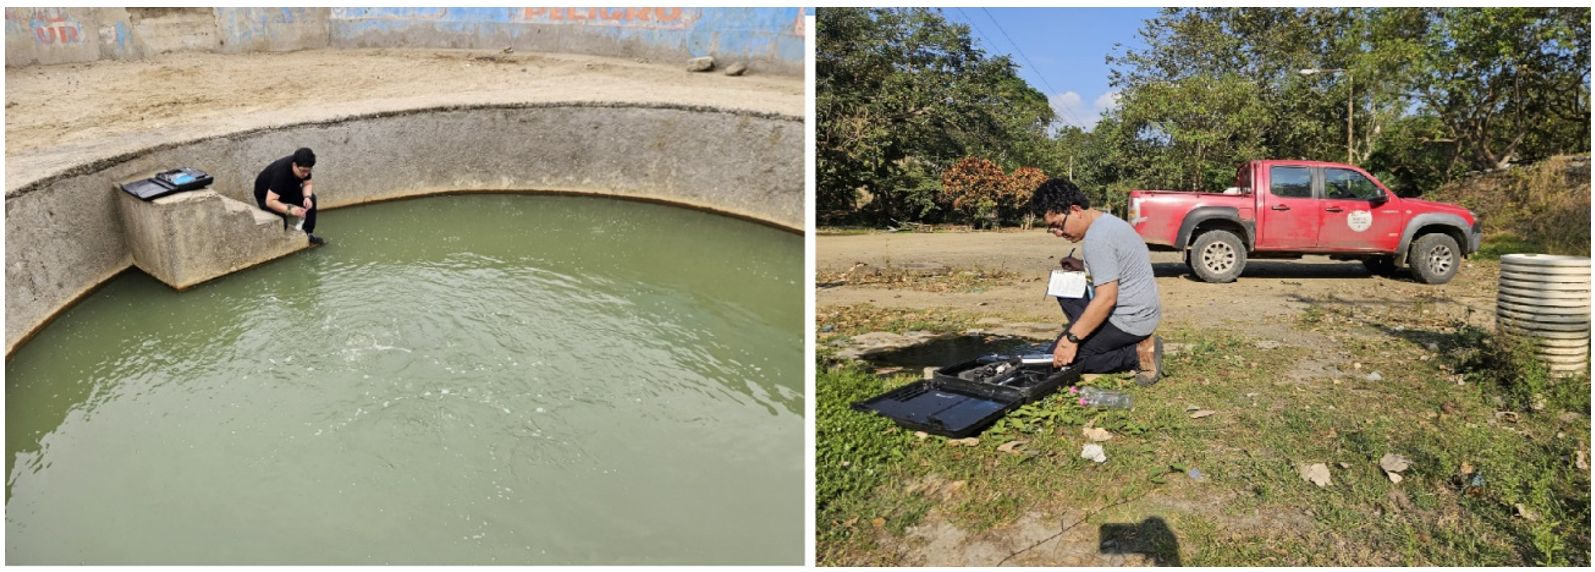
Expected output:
(187, 238)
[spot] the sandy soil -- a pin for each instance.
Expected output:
(1270, 292)
(59, 115)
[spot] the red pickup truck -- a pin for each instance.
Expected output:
(1284, 209)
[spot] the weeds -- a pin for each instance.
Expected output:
(1536, 208)
(1494, 443)
(854, 320)
(937, 280)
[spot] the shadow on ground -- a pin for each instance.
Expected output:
(1151, 537)
(1278, 269)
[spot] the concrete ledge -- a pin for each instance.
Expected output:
(187, 238)
(64, 231)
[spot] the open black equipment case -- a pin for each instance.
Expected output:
(960, 400)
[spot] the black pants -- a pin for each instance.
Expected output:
(1106, 350)
(310, 214)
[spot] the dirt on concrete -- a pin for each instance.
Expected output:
(57, 116)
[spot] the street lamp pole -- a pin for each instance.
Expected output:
(1351, 88)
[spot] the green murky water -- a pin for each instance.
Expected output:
(466, 379)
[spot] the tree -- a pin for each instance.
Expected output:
(1509, 83)
(1434, 92)
(1015, 203)
(975, 187)
(901, 94)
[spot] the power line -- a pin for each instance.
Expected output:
(1033, 66)
(1017, 50)
(984, 37)
(976, 27)
(993, 45)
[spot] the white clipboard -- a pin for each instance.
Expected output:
(1066, 284)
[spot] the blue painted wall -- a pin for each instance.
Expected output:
(767, 35)
(768, 39)
(251, 29)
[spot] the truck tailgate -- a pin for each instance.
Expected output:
(1157, 215)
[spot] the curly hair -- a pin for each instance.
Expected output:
(1057, 195)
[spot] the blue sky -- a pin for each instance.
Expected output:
(1066, 49)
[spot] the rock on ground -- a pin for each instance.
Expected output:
(702, 64)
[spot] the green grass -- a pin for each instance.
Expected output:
(1498, 244)
(1507, 420)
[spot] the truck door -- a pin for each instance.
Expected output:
(1358, 215)
(1288, 219)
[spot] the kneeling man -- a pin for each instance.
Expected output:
(1110, 329)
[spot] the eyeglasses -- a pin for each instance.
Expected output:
(1059, 227)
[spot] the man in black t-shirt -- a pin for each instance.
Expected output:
(284, 189)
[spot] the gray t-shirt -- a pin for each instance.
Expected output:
(1113, 251)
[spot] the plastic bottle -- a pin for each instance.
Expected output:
(1093, 397)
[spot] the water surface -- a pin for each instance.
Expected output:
(502, 379)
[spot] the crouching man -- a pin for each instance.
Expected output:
(284, 189)
(1110, 329)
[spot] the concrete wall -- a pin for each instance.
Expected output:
(272, 29)
(62, 35)
(64, 235)
(188, 238)
(768, 39)
(165, 30)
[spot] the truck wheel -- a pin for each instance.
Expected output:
(1434, 258)
(1217, 256)
(1380, 265)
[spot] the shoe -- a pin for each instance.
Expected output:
(316, 240)
(1150, 352)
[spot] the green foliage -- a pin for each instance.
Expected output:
(1432, 95)
(1508, 84)
(901, 95)
(1539, 208)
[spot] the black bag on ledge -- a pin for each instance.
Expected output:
(168, 182)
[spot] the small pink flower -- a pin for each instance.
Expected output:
(1073, 390)
(1082, 402)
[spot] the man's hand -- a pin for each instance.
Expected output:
(1063, 354)
(1071, 263)
(307, 203)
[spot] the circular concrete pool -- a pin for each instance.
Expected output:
(507, 378)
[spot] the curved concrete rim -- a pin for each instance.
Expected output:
(569, 193)
(1562, 275)
(731, 162)
(96, 164)
(1544, 260)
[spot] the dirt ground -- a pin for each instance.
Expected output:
(57, 115)
(1269, 291)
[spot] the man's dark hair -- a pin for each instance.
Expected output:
(304, 157)
(1057, 195)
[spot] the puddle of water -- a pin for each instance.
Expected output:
(955, 349)
(465, 379)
